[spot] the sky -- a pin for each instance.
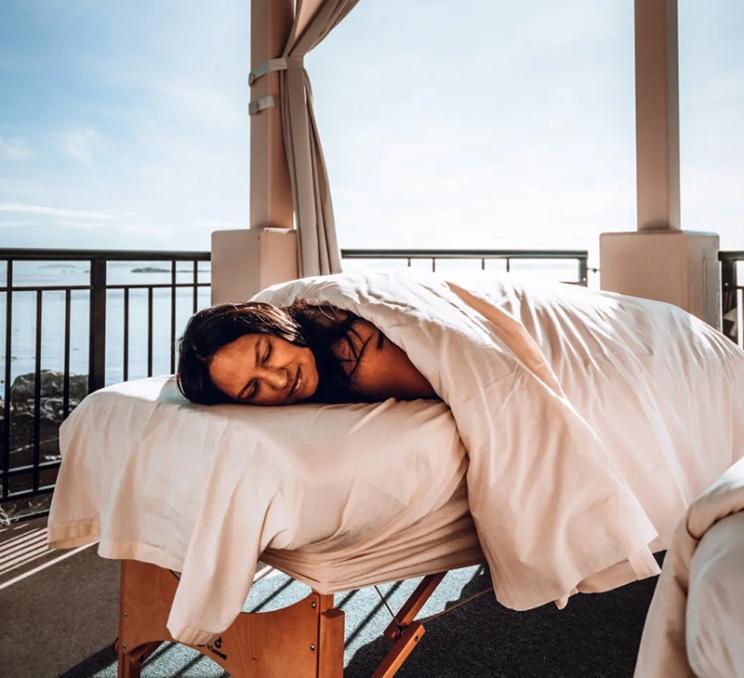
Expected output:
(445, 124)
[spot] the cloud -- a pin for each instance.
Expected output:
(208, 104)
(54, 212)
(16, 224)
(80, 144)
(209, 223)
(13, 148)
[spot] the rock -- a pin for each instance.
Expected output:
(23, 411)
(52, 384)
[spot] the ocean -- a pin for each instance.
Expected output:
(149, 272)
(23, 329)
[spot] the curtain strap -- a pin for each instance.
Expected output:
(257, 105)
(281, 64)
(271, 65)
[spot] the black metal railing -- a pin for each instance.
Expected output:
(732, 295)
(29, 455)
(36, 400)
(504, 257)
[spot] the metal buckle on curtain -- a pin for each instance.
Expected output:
(281, 64)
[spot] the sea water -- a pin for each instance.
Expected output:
(64, 273)
(71, 273)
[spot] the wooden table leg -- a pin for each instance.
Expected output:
(131, 661)
(400, 650)
(331, 644)
(413, 605)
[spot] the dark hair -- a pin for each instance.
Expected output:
(302, 324)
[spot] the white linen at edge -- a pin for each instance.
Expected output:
(668, 646)
(205, 490)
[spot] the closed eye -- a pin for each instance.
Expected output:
(249, 391)
(267, 353)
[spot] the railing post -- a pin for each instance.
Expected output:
(97, 330)
(729, 298)
(6, 395)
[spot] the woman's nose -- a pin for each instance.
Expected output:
(276, 377)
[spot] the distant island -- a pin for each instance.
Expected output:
(150, 269)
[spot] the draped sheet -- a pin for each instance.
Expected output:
(591, 419)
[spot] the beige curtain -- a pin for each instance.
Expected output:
(318, 249)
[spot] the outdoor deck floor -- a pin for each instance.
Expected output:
(58, 617)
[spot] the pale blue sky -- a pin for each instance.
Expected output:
(445, 124)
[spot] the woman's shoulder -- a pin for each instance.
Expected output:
(382, 368)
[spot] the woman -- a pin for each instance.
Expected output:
(260, 354)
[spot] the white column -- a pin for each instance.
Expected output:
(659, 260)
(245, 261)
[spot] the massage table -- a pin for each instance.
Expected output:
(137, 459)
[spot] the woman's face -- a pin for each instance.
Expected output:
(262, 369)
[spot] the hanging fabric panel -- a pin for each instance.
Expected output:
(318, 248)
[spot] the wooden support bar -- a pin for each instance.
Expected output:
(305, 639)
(399, 652)
(331, 644)
(414, 603)
(130, 663)
(297, 640)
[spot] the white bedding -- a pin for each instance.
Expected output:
(707, 640)
(161, 480)
(590, 421)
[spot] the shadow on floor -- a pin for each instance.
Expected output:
(596, 635)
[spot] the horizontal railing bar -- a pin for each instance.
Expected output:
(735, 255)
(45, 288)
(138, 286)
(120, 286)
(348, 253)
(24, 517)
(29, 253)
(29, 468)
(44, 489)
(461, 254)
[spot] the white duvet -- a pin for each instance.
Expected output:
(590, 421)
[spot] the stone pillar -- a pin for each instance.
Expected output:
(659, 260)
(245, 261)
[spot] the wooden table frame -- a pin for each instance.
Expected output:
(303, 639)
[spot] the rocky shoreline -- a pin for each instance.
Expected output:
(51, 411)
(22, 415)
